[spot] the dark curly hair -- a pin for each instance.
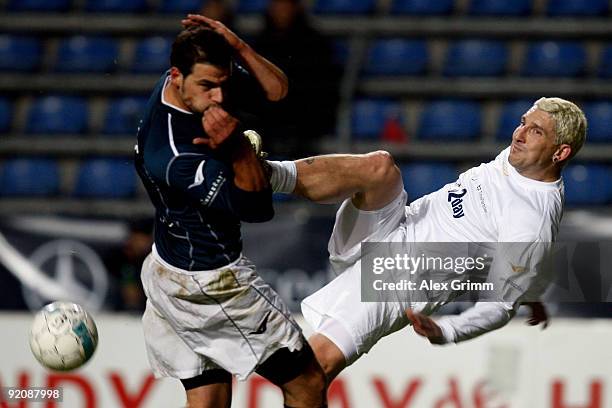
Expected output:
(200, 45)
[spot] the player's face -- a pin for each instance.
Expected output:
(533, 144)
(202, 88)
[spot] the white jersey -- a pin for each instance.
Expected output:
(488, 203)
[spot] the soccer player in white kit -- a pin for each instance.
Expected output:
(517, 197)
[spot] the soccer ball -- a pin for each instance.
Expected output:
(63, 336)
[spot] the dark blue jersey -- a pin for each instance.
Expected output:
(198, 207)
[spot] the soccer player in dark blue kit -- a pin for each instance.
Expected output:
(209, 315)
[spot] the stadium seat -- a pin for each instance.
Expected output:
(105, 178)
(587, 184)
(57, 115)
(424, 178)
(252, 6)
(500, 7)
(369, 116)
(396, 57)
(116, 6)
(39, 5)
(599, 117)
(87, 54)
(564, 8)
(605, 63)
(346, 7)
(476, 58)
(19, 53)
(152, 55)
(123, 115)
(181, 6)
(422, 7)
(6, 115)
(29, 177)
(450, 120)
(554, 59)
(510, 117)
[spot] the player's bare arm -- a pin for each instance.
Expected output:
(272, 79)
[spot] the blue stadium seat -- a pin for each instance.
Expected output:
(106, 178)
(56, 115)
(587, 184)
(6, 115)
(346, 7)
(369, 116)
(29, 177)
(476, 58)
(425, 177)
(39, 5)
(181, 6)
(116, 6)
(87, 54)
(252, 6)
(500, 7)
(123, 115)
(555, 59)
(450, 120)
(19, 53)
(510, 117)
(396, 56)
(564, 8)
(605, 63)
(422, 7)
(599, 117)
(152, 55)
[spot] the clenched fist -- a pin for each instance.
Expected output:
(218, 125)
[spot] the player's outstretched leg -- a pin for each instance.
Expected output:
(371, 179)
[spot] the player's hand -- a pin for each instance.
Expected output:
(538, 314)
(218, 125)
(426, 327)
(232, 39)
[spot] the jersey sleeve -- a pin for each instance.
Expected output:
(245, 98)
(210, 182)
(481, 318)
(521, 268)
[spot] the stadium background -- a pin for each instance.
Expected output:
(440, 84)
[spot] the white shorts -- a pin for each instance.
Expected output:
(225, 318)
(340, 300)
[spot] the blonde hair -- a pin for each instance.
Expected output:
(570, 122)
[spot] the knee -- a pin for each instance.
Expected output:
(381, 168)
(315, 379)
(308, 390)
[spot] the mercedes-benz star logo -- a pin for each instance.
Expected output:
(76, 267)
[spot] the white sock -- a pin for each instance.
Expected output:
(284, 176)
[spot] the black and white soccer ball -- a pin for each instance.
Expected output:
(63, 336)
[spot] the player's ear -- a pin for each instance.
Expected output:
(562, 153)
(176, 77)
